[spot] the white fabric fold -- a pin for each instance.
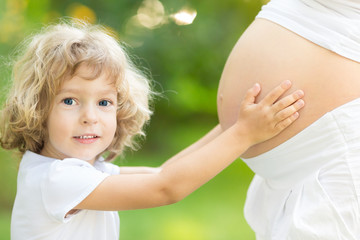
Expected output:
(332, 24)
(309, 186)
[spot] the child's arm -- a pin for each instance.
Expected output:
(182, 175)
(137, 170)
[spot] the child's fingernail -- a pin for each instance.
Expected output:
(300, 103)
(286, 83)
(300, 93)
(256, 87)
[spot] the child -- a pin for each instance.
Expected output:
(77, 96)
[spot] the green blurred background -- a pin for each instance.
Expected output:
(184, 45)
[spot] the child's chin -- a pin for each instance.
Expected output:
(87, 158)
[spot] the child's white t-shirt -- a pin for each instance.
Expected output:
(47, 189)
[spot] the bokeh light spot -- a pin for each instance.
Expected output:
(184, 17)
(82, 12)
(151, 14)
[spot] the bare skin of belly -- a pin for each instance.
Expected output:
(268, 54)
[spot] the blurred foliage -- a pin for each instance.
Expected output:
(185, 60)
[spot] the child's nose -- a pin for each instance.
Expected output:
(89, 115)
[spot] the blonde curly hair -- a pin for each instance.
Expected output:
(55, 54)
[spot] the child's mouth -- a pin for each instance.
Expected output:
(86, 139)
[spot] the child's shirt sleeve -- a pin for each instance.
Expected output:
(67, 183)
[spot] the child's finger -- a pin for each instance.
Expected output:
(287, 101)
(274, 95)
(251, 94)
(289, 111)
(286, 122)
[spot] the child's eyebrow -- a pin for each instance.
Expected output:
(67, 90)
(77, 91)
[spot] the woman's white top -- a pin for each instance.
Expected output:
(309, 187)
(332, 24)
(47, 189)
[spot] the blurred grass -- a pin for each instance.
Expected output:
(8, 172)
(5, 224)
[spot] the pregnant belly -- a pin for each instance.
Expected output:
(269, 54)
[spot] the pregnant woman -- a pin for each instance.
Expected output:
(307, 179)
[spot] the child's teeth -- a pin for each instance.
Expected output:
(86, 137)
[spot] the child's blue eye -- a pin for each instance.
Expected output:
(104, 103)
(69, 101)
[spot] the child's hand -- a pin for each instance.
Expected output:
(269, 117)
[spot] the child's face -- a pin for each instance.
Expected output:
(82, 121)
